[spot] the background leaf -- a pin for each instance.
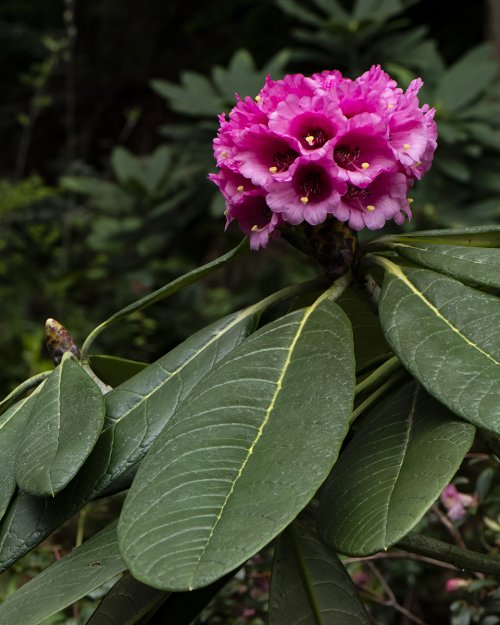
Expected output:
(65, 581)
(370, 345)
(127, 603)
(480, 265)
(464, 81)
(448, 336)
(227, 473)
(477, 236)
(64, 424)
(114, 370)
(310, 586)
(398, 463)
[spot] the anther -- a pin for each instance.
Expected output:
(273, 169)
(365, 165)
(240, 188)
(406, 146)
(310, 140)
(258, 98)
(370, 208)
(224, 154)
(304, 199)
(410, 200)
(255, 228)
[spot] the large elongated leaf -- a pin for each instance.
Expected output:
(448, 336)
(466, 79)
(310, 586)
(127, 603)
(63, 426)
(480, 265)
(137, 411)
(370, 345)
(477, 236)
(396, 466)
(113, 370)
(12, 424)
(227, 473)
(65, 581)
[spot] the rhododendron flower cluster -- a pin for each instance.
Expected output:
(309, 148)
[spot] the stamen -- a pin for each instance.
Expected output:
(345, 155)
(258, 98)
(410, 200)
(315, 137)
(273, 169)
(406, 146)
(390, 106)
(255, 228)
(418, 163)
(240, 188)
(304, 199)
(283, 160)
(365, 165)
(224, 154)
(226, 212)
(370, 208)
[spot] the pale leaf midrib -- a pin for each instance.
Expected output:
(258, 436)
(396, 271)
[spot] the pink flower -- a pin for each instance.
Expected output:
(255, 219)
(311, 148)
(456, 502)
(456, 583)
(310, 121)
(371, 206)
(310, 195)
(363, 151)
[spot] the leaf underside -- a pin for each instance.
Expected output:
(399, 461)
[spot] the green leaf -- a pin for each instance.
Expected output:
(127, 603)
(466, 79)
(12, 424)
(448, 336)
(124, 164)
(147, 171)
(64, 424)
(237, 450)
(114, 370)
(370, 345)
(66, 581)
(110, 197)
(310, 586)
(480, 265)
(137, 411)
(476, 236)
(398, 463)
(195, 96)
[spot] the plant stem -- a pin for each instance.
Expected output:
(23, 388)
(461, 558)
(379, 375)
(376, 395)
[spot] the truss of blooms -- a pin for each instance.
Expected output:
(308, 148)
